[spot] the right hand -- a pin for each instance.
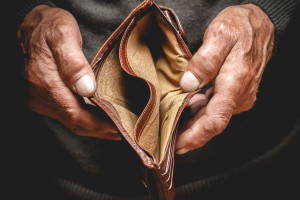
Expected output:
(57, 72)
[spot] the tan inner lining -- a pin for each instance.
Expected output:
(154, 55)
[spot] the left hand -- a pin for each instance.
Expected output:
(236, 48)
(58, 72)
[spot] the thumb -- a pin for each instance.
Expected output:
(206, 63)
(73, 67)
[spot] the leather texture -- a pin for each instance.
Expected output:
(137, 71)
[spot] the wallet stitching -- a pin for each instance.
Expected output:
(186, 53)
(137, 133)
(146, 110)
(150, 125)
(125, 40)
(152, 94)
(112, 112)
(178, 23)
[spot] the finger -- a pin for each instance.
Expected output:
(74, 69)
(94, 124)
(218, 112)
(204, 128)
(83, 119)
(196, 103)
(86, 119)
(195, 108)
(205, 64)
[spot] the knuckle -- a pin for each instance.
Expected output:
(205, 56)
(74, 61)
(193, 142)
(246, 76)
(63, 26)
(219, 124)
(70, 115)
(208, 128)
(37, 44)
(222, 29)
(63, 29)
(74, 67)
(227, 30)
(79, 62)
(209, 64)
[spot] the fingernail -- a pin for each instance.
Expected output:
(189, 82)
(85, 86)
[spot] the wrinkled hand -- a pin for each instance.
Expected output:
(58, 72)
(236, 47)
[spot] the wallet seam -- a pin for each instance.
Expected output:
(152, 100)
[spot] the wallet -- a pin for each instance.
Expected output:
(137, 72)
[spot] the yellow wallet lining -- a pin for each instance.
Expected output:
(154, 55)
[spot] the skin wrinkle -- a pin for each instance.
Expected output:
(36, 47)
(211, 50)
(194, 140)
(245, 82)
(51, 70)
(238, 70)
(236, 83)
(28, 29)
(67, 56)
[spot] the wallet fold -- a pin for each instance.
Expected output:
(137, 72)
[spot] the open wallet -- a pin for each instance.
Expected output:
(137, 72)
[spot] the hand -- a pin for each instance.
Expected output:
(57, 69)
(236, 47)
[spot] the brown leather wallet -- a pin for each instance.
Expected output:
(137, 72)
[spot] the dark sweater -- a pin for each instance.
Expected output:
(88, 168)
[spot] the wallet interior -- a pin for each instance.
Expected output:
(147, 102)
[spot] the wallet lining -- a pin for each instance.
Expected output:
(152, 44)
(154, 55)
(119, 89)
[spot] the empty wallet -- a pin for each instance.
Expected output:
(137, 72)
